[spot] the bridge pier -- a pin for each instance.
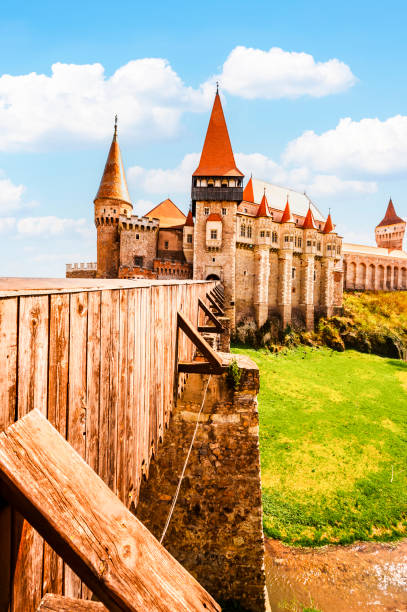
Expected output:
(216, 529)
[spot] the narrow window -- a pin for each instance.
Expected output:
(299, 242)
(223, 211)
(189, 238)
(318, 246)
(214, 234)
(249, 231)
(267, 234)
(243, 230)
(137, 236)
(261, 234)
(286, 238)
(206, 211)
(166, 244)
(293, 273)
(308, 243)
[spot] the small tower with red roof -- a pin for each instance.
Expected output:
(188, 238)
(112, 200)
(217, 189)
(391, 229)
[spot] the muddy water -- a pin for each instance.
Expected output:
(364, 576)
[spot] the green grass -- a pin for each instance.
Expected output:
(333, 442)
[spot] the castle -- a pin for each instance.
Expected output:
(271, 247)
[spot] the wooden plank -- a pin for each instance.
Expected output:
(57, 603)
(129, 450)
(52, 581)
(114, 391)
(121, 464)
(199, 367)
(28, 546)
(200, 343)
(8, 378)
(92, 391)
(105, 365)
(215, 306)
(76, 418)
(82, 519)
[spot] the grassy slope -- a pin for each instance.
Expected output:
(333, 433)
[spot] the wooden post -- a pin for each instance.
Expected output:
(85, 522)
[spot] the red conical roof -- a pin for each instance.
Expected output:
(328, 227)
(113, 184)
(391, 216)
(189, 221)
(263, 210)
(217, 157)
(287, 216)
(248, 194)
(309, 222)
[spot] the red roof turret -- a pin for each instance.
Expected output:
(248, 194)
(328, 227)
(309, 222)
(217, 157)
(189, 221)
(263, 210)
(113, 185)
(391, 216)
(287, 216)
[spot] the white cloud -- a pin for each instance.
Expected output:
(78, 102)
(52, 226)
(369, 146)
(7, 224)
(329, 185)
(158, 180)
(11, 195)
(254, 73)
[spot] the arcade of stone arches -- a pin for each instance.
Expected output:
(374, 276)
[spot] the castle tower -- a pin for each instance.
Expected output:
(308, 269)
(188, 238)
(262, 262)
(390, 231)
(112, 200)
(217, 188)
(285, 265)
(329, 257)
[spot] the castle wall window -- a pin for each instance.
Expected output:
(224, 183)
(274, 237)
(308, 243)
(206, 211)
(299, 242)
(267, 234)
(293, 273)
(318, 246)
(249, 231)
(166, 244)
(295, 242)
(189, 238)
(224, 211)
(329, 247)
(137, 236)
(261, 234)
(138, 261)
(214, 234)
(243, 230)
(286, 238)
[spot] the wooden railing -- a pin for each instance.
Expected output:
(101, 365)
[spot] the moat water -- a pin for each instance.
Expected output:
(364, 576)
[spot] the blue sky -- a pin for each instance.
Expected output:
(314, 94)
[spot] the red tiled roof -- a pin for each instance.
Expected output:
(263, 210)
(168, 213)
(391, 216)
(189, 222)
(214, 217)
(248, 194)
(113, 184)
(328, 227)
(309, 222)
(287, 216)
(217, 157)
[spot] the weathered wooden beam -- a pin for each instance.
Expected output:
(199, 367)
(88, 526)
(200, 342)
(217, 308)
(217, 325)
(58, 603)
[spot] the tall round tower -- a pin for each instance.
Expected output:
(390, 231)
(112, 200)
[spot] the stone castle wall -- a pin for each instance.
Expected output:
(216, 530)
(138, 242)
(374, 273)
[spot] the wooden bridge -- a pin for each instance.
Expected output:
(103, 361)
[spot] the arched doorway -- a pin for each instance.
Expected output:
(213, 277)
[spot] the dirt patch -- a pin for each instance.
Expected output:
(364, 576)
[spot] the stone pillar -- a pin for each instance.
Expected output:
(261, 283)
(307, 290)
(216, 529)
(224, 338)
(285, 264)
(327, 286)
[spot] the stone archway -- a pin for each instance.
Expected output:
(212, 277)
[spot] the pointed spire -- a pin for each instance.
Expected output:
(263, 210)
(328, 227)
(287, 216)
(217, 157)
(248, 194)
(113, 184)
(189, 221)
(391, 216)
(309, 222)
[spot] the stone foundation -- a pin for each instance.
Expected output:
(216, 530)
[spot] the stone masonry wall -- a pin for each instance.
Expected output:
(216, 529)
